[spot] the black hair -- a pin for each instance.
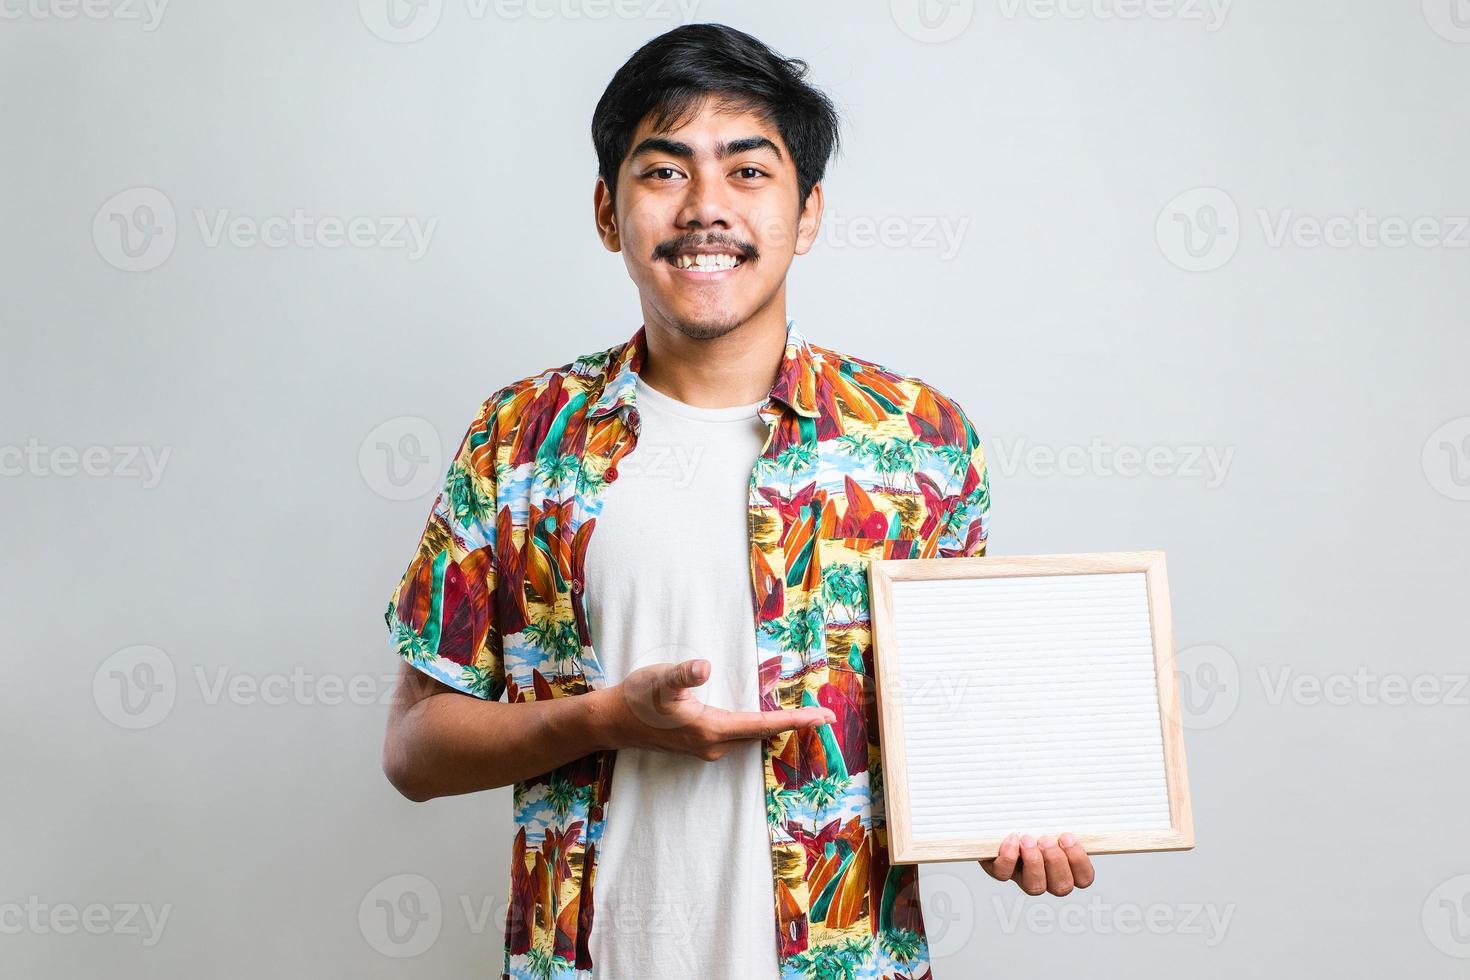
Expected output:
(670, 74)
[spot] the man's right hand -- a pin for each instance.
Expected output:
(655, 708)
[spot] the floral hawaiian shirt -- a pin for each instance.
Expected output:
(861, 463)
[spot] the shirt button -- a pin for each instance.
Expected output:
(577, 585)
(611, 474)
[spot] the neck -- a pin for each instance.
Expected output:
(736, 368)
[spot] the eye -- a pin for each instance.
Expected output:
(751, 172)
(662, 170)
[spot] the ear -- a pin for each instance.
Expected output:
(809, 221)
(603, 214)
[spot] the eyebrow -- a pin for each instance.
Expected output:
(745, 144)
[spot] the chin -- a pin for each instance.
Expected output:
(703, 321)
(706, 327)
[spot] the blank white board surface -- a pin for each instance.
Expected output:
(1028, 703)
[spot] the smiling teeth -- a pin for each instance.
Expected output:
(706, 261)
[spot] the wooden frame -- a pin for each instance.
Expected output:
(882, 574)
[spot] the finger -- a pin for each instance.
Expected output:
(1003, 865)
(1058, 871)
(1032, 877)
(689, 673)
(660, 695)
(1082, 871)
(763, 724)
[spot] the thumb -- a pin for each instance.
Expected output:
(691, 673)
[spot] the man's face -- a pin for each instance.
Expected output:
(708, 220)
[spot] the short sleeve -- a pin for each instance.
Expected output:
(441, 615)
(968, 525)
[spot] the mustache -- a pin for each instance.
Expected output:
(666, 250)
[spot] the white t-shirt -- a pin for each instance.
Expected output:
(684, 885)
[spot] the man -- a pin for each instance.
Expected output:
(689, 513)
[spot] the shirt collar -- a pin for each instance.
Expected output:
(795, 387)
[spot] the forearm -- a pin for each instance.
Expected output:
(448, 744)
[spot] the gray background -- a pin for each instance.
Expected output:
(1114, 187)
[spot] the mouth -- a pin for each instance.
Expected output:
(706, 264)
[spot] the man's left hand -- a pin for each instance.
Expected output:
(1050, 864)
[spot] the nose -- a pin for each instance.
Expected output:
(706, 205)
